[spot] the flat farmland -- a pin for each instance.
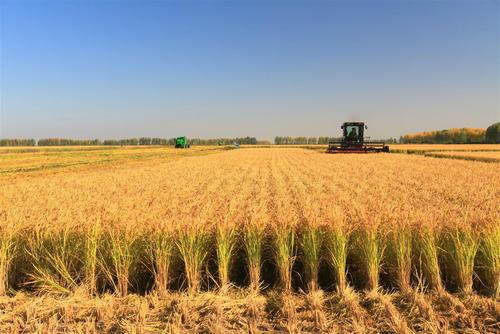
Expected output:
(446, 147)
(485, 156)
(249, 240)
(18, 161)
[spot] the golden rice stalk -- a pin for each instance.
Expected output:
(91, 257)
(192, 246)
(428, 251)
(253, 237)
(284, 255)
(371, 245)
(7, 250)
(123, 253)
(56, 261)
(461, 245)
(489, 259)
(225, 239)
(160, 251)
(336, 240)
(311, 239)
(399, 256)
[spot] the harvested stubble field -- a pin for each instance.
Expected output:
(253, 240)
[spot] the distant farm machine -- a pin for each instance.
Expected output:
(353, 141)
(181, 142)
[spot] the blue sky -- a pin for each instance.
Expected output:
(109, 69)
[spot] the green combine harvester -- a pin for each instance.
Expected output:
(181, 142)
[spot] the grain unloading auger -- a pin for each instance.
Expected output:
(353, 141)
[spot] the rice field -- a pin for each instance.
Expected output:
(15, 161)
(485, 156)
(446, 147)
(283, 240)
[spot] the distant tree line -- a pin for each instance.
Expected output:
(170, 141)
(128, 141)
(67, 142)
(111, 142)
(224, 141)
(448, 136)
(287, 140)
(139, 141)
(191, 141)
(17, 142)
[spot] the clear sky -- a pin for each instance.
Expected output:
(110, 69)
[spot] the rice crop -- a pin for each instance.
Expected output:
(257, 222)
(160, 251)
(484, 156)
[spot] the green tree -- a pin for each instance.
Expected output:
(144, 141)
(493, 134)
(312, 140)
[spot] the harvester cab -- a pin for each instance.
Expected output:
(181, 142)
(354, 141)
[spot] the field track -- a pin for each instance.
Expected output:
(278, 240)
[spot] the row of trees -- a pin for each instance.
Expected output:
(86, 142)
(128, 141)
(17, 142)
(448, 136)
(224, 141)
(140, 141)
(67, 142)
(171, 141)
(287, 140)
(112, 142)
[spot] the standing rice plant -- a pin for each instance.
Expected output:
(311, 239)
(489, 259)
(461, 245)
(160, 251)
(426, 243)
(399, 256)
(56, 260)
(336, 240)
(225, 239)
(92, 239)
(371, 246)
(7, 250)
(284, 255)
(123, 254)
(253, 237)
(192, 246)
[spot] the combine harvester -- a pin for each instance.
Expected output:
(181, 142)
(353, 141)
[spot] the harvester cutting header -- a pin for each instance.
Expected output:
(353, 141)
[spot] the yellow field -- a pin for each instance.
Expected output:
(444, 147)
(412, 148)
(22, 160)
(302, 178)
(186, 241)
(475, 156)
